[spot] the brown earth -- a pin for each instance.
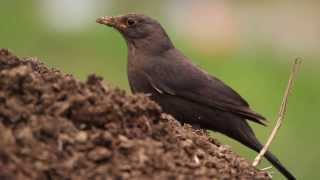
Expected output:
(53, 126)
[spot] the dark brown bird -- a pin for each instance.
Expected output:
(191, 95)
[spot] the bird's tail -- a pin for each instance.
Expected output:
(250, 140)
(277, 164)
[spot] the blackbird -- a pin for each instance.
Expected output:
(191, 95)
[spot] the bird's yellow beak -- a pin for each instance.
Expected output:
(107, 20)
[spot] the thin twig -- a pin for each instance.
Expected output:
(282, 111)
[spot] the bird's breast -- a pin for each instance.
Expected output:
(139, 83)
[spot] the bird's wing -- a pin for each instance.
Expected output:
(197, 86)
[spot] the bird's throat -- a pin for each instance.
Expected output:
(149, 45)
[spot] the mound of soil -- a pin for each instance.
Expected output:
(53, 126)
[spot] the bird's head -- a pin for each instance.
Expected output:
(138, 29)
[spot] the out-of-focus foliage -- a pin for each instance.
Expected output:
(249, 45)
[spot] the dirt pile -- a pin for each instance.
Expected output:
(53, 126)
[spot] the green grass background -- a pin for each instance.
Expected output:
(260, 75)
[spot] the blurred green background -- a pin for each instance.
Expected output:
(250, 45)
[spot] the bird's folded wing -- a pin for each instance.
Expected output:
(219, 96)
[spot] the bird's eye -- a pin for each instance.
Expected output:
(130, 22)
